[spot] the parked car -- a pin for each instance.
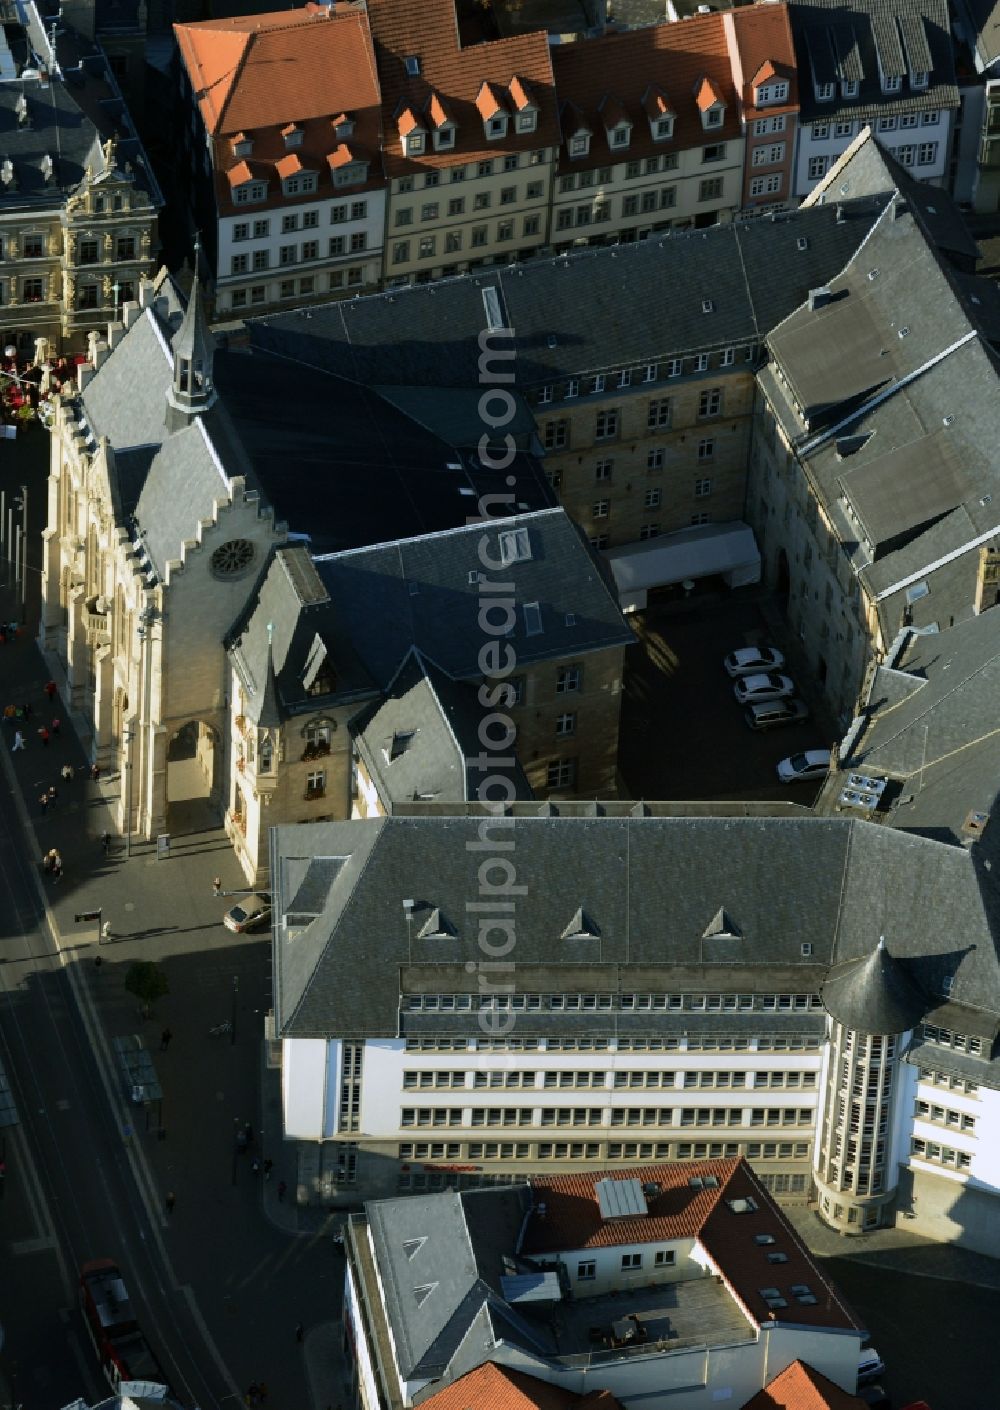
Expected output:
(248, 914)
(870, 1366)
(749, 689)
(769, 713)
(811, 763)
(748, 659)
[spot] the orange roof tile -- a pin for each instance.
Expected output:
(669, 58)
(339, 119)
(490, 101)
(266, 70)
(656, 102)
(344, 155)
(492, 1387)
(437, 111)
(407, 121)
(680, 1210)
(288, 165)
(520, 93)
(707, 93)
(236, 175)
(800, 1387)
(766, 71)
(763, 35)
(426, 30)
(573, 121)
(237, 138)
(289, 128)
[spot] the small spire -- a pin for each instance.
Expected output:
(192, 389)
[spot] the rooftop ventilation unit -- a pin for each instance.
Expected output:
(862, 792)
(620, 1199)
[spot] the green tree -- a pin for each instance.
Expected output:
(148, 982)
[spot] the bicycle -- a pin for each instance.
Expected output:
(220, 1029)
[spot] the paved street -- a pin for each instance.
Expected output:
(222, 1283)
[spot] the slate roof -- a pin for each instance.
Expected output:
(255, 74)
(643, 301)
(931, 719)
(874, 995)
(419, 740)
(652, 885)
(428, 33)
(801, 1387)
(382, 476)
(675, 57)
(848, 39)
(983, 23)
(68, 116)
(420, 593)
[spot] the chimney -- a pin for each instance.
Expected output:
(131, 311)
(819, 297)
(84, 373)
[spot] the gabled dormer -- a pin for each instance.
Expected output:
(525, 105)
(242, 145)
(244, 187)
(296, 179)
(292, 136)
(711, 103)
(412, 132)
(576, 131)
(659, 113)
(343, 126)
(493, 111)
(617, 123)
(348, 165)
(770, 85)
(441, 123)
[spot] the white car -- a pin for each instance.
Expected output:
(811, 763)
(750, 690)
(750, 659)
(870, 1366)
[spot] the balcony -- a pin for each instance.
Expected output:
(97, 621)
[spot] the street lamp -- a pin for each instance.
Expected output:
(127, 739)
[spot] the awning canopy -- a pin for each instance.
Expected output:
(726, 549)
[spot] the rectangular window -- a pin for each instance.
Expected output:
(601, 509)
(652, 499)
(710, 190)
(817, 167)
(508, 195)
(887, 124)
(288, 223)
(587, 1270)
(261, 229)
(567, 679)
(565, 725)
(710, 402)
(428, 246)
(261, 259)
(714, 152)
(239, 264)
(505, 230)
(658, 414)
(603, 469)
(631, 1261)
(359, 239)
(555, 434)
(927, 152)
(241, 231)
(338, 246)
(560, 773)
(310, 248)
(400, 252)
(655, 459)
(843, 129)
(606, 425)
(310, 220)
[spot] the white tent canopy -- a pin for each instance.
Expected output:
(726, 550)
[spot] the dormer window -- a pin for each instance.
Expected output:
(496, 127)
(301, 183)
(850, 87)
(919, 80)
(525, 107)
(494, 114)
(714, 116)
(619, 136)
(292, 135)
(579, 145)
(242, 145)
(711, 103)
(776, 92)
(891, 83)
(351, 174)
(663, 129)
(441, 122)
(444, 137)
(825, 92)
(343, 126)
(413, 144)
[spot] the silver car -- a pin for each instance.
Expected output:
(748, 660)
(752, 690)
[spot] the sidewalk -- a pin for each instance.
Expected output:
(231, 1236)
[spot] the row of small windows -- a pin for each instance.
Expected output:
(940, 1155)
(296, 220)
(419, 1182)
(626, 1003)
(438, 1079)
(644, 374)
(491, 166)
(453, 241)
(600, 1150)
(692, 1043)
(601, 1116)
(456, 205)
(821, 131)
(960, 1042)
(352, 277)
(949, 1080)
(355, 243)
(910, 154)
(603, 175)
(945, 1116)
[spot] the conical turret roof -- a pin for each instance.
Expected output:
(874, 995)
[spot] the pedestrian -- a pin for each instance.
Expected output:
(8, 714)
(67, 771)
(170, 1201)
(44, 801)
(255, 1166)
(95, 772)
(267, 1168)
(13, 629)
(282, 1187)
(248, 1132)
(261, 1391)
(56, 725)
(241, 1141)
(27, 711)
(57, 868)
(106, 930)
(18, 742)
(252, 1393)
(43, 735)
(300, 1332)
(53, 795)
(165, 1038)
(106, 842)
(50, 690)
(47, 863)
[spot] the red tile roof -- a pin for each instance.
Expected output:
(763, 36)
(707, 94)
(490, 101)
(676, 58)
(679, 1210)
(260, 74)
(288, 165)
(426, 30)
(492, 1387)
(799, 1387)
